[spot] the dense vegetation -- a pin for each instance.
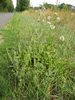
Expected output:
(37, 56)
(6, 6)
(62, 6)
(22, 5)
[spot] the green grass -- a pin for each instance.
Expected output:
(34, 63)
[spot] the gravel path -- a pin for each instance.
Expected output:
(4, 17)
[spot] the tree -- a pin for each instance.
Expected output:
(10, 6)
(69, 6)
(18, 6)
(48, 6)
(22, 5)
(65, 6)
(6, 5)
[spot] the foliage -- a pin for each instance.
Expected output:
(37, 8)
(3, 86)
(10, 6)
(48, 6)
(6, 5)
(65, 6)
(22, 5)
(35, 64)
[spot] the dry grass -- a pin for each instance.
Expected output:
(43, 64)
(66, 17)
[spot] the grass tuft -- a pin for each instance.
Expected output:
(37, 59)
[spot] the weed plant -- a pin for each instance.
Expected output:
(36, 61)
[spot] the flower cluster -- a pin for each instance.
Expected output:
(58, 18)
(62, 38)
(43, 20)
(49, 22)
(49, 17)
(36, 11)
(55, 13)
(52, 27)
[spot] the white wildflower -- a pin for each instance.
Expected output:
(62, 38)
(52, 27)
(49, 17)
(36, 11)
(49, 22)
(43, 20)
(58, 18)
(38, 19)
(39, 9)
(55, 13)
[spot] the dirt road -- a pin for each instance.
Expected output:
(4, 17)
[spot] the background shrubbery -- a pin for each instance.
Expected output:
(6, 6)
(61, 7)
(22, 5)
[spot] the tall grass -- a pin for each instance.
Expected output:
(35, 63)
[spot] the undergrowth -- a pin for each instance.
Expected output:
(35, 63)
